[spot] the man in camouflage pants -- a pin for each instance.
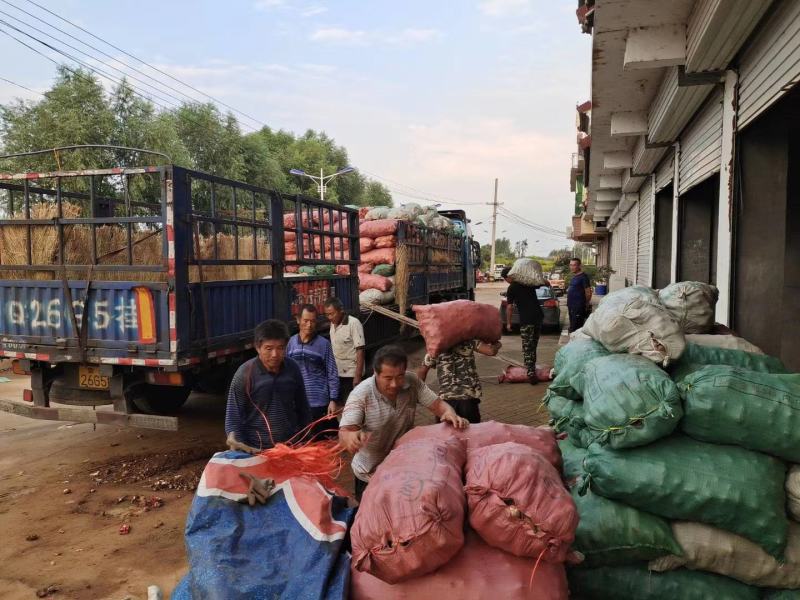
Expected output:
(459, 384)
(530, 320)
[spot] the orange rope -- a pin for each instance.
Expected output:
(536, 566)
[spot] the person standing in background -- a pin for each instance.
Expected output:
(347, 339)
(579, 295)
(314, 355)
(530, 320)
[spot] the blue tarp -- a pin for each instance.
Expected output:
(292, 547)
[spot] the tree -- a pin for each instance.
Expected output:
(521, 248)
(502, 246)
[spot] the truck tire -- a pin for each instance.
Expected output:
(157, 399)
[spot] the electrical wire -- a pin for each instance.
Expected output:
(523, 221)
(21, 86)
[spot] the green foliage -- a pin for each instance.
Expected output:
(77, 110)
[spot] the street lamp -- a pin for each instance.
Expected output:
(322, 180)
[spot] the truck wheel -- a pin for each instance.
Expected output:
(158, 399)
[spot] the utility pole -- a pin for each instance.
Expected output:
(494, 231)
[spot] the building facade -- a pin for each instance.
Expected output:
(693, 135)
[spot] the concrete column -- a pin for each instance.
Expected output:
(675, 212)
(726, 199)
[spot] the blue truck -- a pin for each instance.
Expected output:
(132, 287)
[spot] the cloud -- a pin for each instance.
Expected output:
(340, 35)
(313, 11)
(414, 35)
(359, 37)
(268, 4)
(504, 8)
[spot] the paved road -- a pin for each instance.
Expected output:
(68, 488)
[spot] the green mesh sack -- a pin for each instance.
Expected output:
(781, 595)
(628, 400)
(385, 270)
(307, 270)
(759, 411)
(609, 532)
(569, 361)
(680, 478)
(566, 416)
(325, 269)
(696, 357)
(637, 583)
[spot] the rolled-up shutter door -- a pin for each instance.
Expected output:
(665, 172)
(620, 247)
(771, 63)
(632, 249)
(645, 205)
(701, 145)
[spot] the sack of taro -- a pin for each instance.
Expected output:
(628, 401)
(527, 271)
(488, 433)
(477, 572)
(569, 361)
(411, 518)
(566, 416)
(518, 503)
(691, 304)
(512, 374)
(446, 324)
(367, 281)
(684, 479)
(610, 532)
(633, 320)
(697, 356)
(759, 411)
(637, 583)
(793, 492)
(707, 548)
(378, 228)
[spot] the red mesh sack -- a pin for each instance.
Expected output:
(446, 324)
(367, 281)
(382, 256)
(343, 269)
(366, 244)
(386, 241)
(362, 212)
(513, 374)
(411, 518)
(378, 228)
(290, 257)
(291, 269)
(518, 503)
(366, 267)
(477, 572)
(290, 248)
(479, 435)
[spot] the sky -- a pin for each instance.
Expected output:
(433, 99)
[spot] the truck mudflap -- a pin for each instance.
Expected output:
(87, 414)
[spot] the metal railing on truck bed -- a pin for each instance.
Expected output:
(156, 267)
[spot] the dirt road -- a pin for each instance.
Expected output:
(68, 492)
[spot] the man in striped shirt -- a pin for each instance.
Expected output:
(314, 355)
(267, 399)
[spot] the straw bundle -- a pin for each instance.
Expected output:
(401, 278)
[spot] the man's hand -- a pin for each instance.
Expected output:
(333, 408)
(456, 421)
(234, 444)
(509, 327)
(353, 441)
(259, 489)
(356, 380)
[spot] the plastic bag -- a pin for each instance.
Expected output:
(326, 269)
(569, 361)
(386, 241)
(376, 213)
(477, 572)
(381, 256)
(518, 503)
(793, 492)
(446, 324)
(696, 357)
(628, 400)
(707, 548)
(691, 304)
(378, 228)
(366, 244)
(637, 583)
(759, 411)
(385, 270)
(411, 518)
(488, 433)
(610, 532)
(527, 272)
(512, 374)
(680, 478)
(368, 281)
(633, 320)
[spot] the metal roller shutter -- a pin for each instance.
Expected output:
(665, 172)
(632, 249)
(701, 145)
(771, 64)
(620, 241)
(645, 242)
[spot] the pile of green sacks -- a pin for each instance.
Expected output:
(707, 442)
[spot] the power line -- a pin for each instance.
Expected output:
(420, 194)
(20, 86)
(129, 55)
(537, 226)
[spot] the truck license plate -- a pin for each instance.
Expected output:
(90, 379)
